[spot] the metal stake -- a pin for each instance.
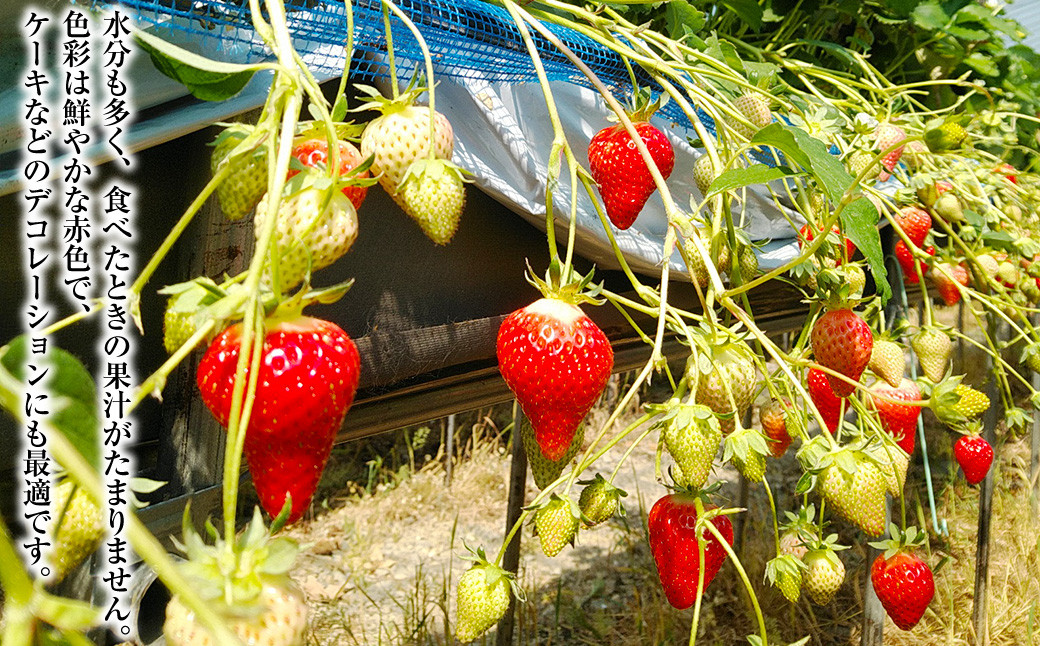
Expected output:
(450, 443)
(517, 489)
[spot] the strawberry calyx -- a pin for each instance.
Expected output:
(493, 572)
(943, 399)
(573, 289)
(432, 169)
(233, 574)
(374, 99)
(900, 540)
(642, 105)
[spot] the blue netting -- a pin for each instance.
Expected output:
(467, 39)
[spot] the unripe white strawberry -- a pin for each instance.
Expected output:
(433, 194)
(755, 109)
(281, 620)
(401, 136)
(313, 225)
(886, 136)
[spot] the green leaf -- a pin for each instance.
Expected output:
(982, 64)
(930, 16)
(827, 168)
(741, 177)
(748, 10)
(681, 17)
(779, 136)
(205, 78)
(73, 396)
(859, 222)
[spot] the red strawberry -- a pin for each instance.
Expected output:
(975, 456)
(557, 362)
(807, 233)
(673, 542)
(314, 153)
(947, 284)
(774, 427)
(624, 179)
(915, 223)
(906, 262)
(308, 375)
(904, 585)
(842, 341)
(900, 420)
(824, 398)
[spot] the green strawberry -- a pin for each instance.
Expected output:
(729, 372)
(887, 361)
(544, 470)
(932, 347)
(748, 260)
(692, 436)
(695, 263)
(433, 194)
(482, 598)
(599, 501)
(824, 574)
(80, 532)
(972, 403)
(747, 448)
(948, 136)
(854, 487)
(315, 228)
(786, 573)
(703, 173)
(177, 328)
(556, 523)
(246, 182)
(859, 161)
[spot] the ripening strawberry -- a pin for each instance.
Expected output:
(842, 341)
(692, 437)
(807, 233)
(672, 525)
(915, 223)
(887, 361)
(946, 283)
(975, 455)
(556, 523)
(774, 426)
(904, 585)
(309, 372)
(433, 194)
(481, 599)
(792, 542)
(543, 470)
(908, 263)
(308, 235)
(1009, 172)
(80, 533)
(313, 152)
(280, 620)
(900, 420)
(856, 492)
(886, 136)
(246, 181)
(932, 347)
(401, 135)
(824, 575)
(823, 397)
(624, 180)
(730, 383)
(557, 362)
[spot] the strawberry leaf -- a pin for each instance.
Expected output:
(205, 78)
(73, 396)
(741, 177)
